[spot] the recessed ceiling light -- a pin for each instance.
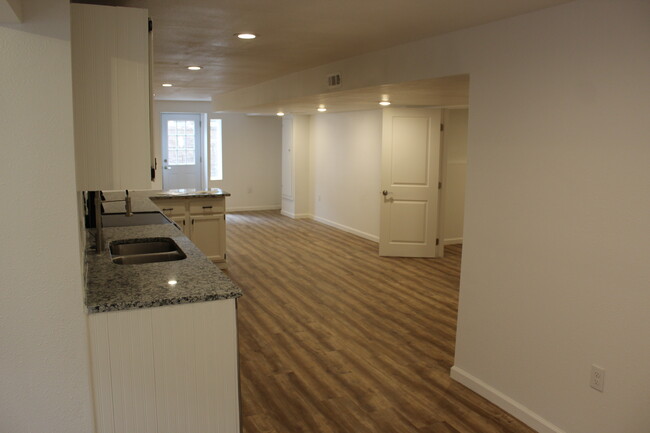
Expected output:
(167, 84)
(246, 35)
(279, 113)
(172, 282)
(194, 68)
(322, 108)
(385, 103)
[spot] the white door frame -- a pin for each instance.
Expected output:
(442, 191)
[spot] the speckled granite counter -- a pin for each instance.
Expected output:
(141, 198)
(112, 287)
(181, 193)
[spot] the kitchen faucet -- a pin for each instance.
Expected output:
(99, 236)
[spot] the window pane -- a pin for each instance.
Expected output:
(171, 127)
(216, 169)
(181, 142)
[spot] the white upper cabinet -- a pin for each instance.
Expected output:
(110, 74)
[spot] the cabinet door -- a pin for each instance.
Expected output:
(110, 71)
(181, 221)
(208, 233)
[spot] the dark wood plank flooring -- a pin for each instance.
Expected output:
(335, 339)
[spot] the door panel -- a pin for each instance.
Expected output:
(410, 150)
(410, 167)
(206, 231)
(415, 212)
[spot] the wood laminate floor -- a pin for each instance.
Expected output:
(335, 339)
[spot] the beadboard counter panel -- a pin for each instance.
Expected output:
(165, 370)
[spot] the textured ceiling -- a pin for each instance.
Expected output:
(293, 35)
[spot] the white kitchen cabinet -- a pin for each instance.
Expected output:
(166, 369)
(182, 223)
(207, 233)
(110, 73)
(203, 220)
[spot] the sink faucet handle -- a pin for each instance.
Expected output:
(127, 203)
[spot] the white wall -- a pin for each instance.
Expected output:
(556, 239)
(555, 273)
(346, 184)
(44, 366)
(251, 155)
(455, 161)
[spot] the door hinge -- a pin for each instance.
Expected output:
(439, 185)
(150, 25)
(437, 241)
(442, 127)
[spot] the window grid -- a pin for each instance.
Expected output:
(181, 148)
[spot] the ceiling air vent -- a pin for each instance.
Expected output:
(334, 80)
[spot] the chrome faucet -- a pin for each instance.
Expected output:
(99, 235)
(126, 200)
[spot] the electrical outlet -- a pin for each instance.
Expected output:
(597, 381)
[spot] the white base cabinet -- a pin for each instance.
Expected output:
(166, 369)
(203, 220)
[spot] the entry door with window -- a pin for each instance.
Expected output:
(409, 179)
(181, 136)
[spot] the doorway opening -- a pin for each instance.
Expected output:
(191, 150)
(424, 161)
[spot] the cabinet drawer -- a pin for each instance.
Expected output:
(206, 206)
(171, 207)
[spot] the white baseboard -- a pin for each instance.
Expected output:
(287, 213)
(296, 216)
(452, 241)
(247, 208)
(347, 229)
(506, 403)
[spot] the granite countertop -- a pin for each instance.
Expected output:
(113, 287)
(183, 193)
(140, 199)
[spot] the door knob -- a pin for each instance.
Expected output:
(384, 192)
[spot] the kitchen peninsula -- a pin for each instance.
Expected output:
(201, 214)
(163, 335)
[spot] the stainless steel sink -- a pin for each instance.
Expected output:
(145, 250)
(137, 219)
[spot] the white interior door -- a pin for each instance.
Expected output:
(410, 163)
(182, 158)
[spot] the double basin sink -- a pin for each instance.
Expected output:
(141, 250)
